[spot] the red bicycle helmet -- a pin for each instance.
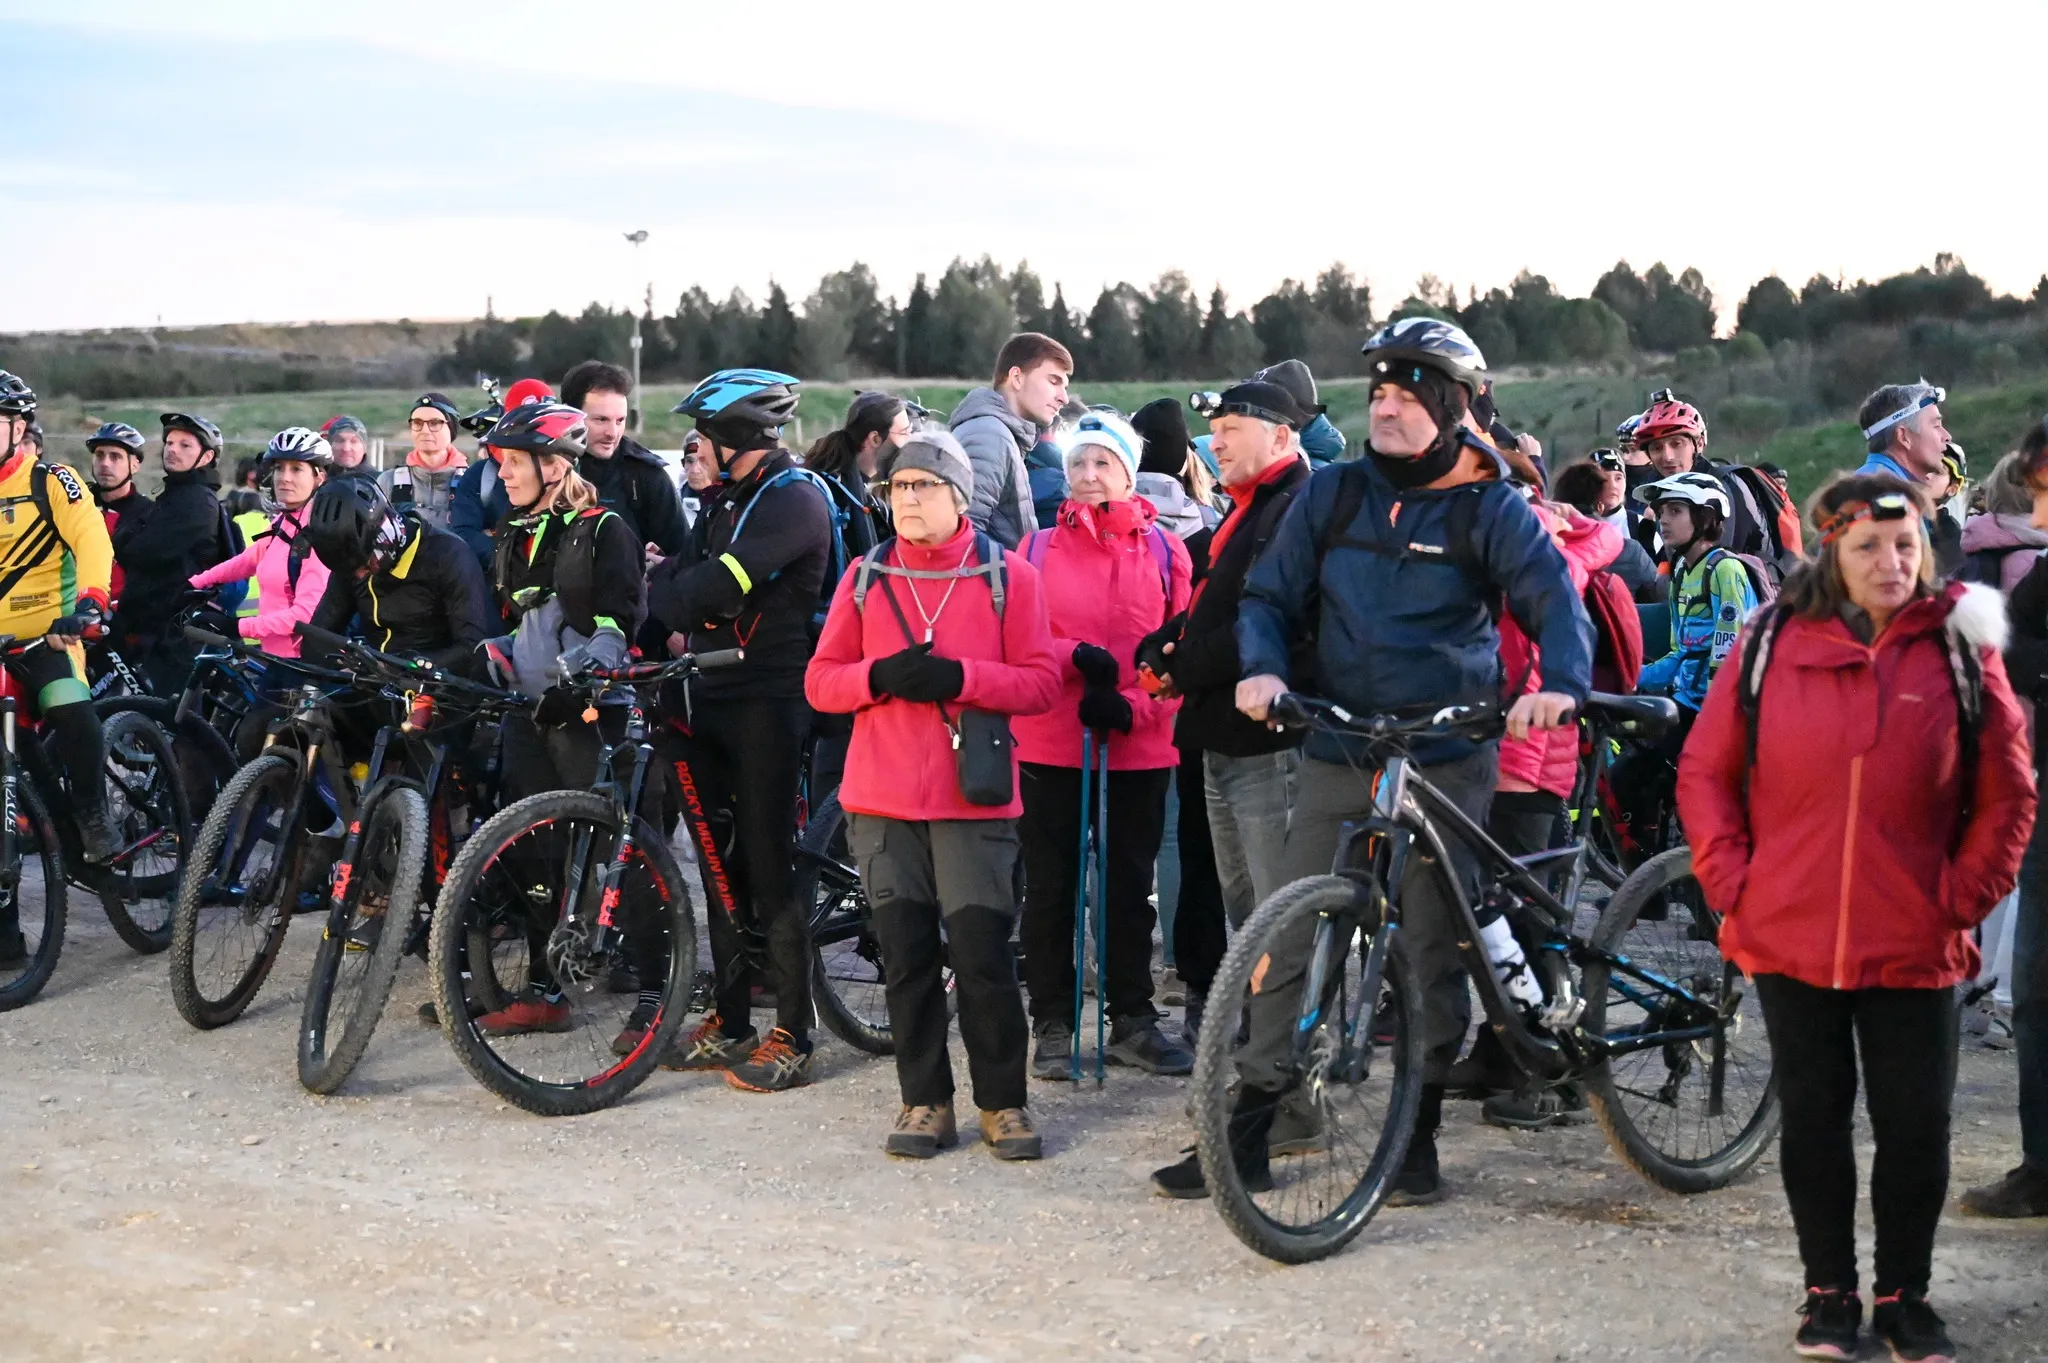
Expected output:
(1671, 415)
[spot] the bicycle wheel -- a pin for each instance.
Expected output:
(846, 961)
(147, 809)
(1366, 1095)
(368, 922)
(555, 1055)
(235, 902)
(34, 889)
(1693, 1113)
(204, 760)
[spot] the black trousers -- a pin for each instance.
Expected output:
(1199, 938)
(1051, 833)
(1645, 784)
(744, 756)
(1907, 1038)
(942, 893)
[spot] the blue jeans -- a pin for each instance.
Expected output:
(2030, 998)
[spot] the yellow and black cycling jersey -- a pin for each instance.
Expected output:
(53, 546)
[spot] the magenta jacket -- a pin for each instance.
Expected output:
(280, 604)
(1550, 760)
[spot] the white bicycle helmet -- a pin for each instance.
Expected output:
(1695, 489)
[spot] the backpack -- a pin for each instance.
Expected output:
(1034, 546)
(1761, 580)
(1618, 634)
(838, 560)
(988, 562)
(1965, 669)
(1775, 516)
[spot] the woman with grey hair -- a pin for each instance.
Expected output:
(2002, 543)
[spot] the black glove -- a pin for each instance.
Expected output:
(914, 674)
(86, 618)
(1097, 666)
(559, 705)
(1151, 651)
(1103, 710)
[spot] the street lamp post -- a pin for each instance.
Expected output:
(638, 239)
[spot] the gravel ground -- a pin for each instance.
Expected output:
(171, 1194)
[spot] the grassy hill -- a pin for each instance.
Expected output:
(1570, 414)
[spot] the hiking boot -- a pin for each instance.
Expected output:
(1297, 1126)
(707, 1047)
(13, 948)
(1008, 1134)
(1251, 1123)
(1537, 1109)
(1910, 1329)
(1054, 1053)
(96, 839)
(921, 1132)
(1419, 1184)
(529, 1014)
(634, 1034)
(2023, 1192)
(621, 979)
(1191, 1021)
(1138, 1042)
(1829, 1325)
(1483, 1073)
(776, 1064)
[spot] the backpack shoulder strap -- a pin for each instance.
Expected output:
(39, 490)
(864, 572)
(1461, 524)
(1162, 558)
(1968, 671)
(1350, 497)
(991, 556)
(1034, 547)
(1755, 660)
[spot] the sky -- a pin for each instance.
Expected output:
(245, 160)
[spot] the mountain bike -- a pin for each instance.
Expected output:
(205, 719)
(40, 851)
(267, 847)
(1658, 1027)
(553, 893)
(397, 850)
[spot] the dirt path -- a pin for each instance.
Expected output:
(171, 1195)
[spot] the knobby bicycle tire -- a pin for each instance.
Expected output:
(194, 1005)
(36, 837)
(1719, 1164)
(325, 1060)
(118, 887)
(449, 964)
(1215, 1070)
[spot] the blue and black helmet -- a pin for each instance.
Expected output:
(742, 409)
(116, 433)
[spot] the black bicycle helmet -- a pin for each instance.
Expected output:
(116, 433)
(16, 397)
(742, 409)
(541, 428)
(207, 433)
(349, 523)
(1428, 341)
(299, 443)
(482, 419)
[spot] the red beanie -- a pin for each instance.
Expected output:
(524, 391)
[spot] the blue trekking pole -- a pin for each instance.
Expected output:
(1101, 902)
(1081, 907)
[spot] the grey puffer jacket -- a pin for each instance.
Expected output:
(996, 440)
(1178, 512)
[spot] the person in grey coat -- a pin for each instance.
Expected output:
(998, 426)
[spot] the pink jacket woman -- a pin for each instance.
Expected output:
(1108, 583)
(1550, 761)
(286, 595)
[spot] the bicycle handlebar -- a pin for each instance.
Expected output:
(1479, 720)
(412, 669)
(674, 667)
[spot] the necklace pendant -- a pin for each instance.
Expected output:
(927, 633)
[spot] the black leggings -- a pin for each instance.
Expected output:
(1199, 939)
(1907, 1038)
(744, 757)
(71, 727)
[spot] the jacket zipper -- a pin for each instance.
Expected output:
(1848, 868)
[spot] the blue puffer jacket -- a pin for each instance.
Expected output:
(1408, 625)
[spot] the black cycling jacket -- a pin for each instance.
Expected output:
(431, 603)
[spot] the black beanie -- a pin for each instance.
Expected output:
(1295, 377)
(1164, 428)
(1443, 396)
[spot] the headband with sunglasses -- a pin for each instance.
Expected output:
(1888, 506)
(1609, 461)
(1928, 396)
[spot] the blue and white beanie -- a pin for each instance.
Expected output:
(1112, 433)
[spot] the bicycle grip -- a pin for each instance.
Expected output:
(326, 639)
(720, 657)
(207, 637)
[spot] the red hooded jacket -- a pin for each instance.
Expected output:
(1102, 587)
(1847, 863)
(901, 764)
(1549, 759)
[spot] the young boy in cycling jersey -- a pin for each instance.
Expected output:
(1711, 595)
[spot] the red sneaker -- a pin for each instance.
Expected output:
(526, 1015)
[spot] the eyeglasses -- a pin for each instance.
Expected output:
(916, 489)
(428, 423)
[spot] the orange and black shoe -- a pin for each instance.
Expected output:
(707, 1047)
(776, 1064)
(529, 1014)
